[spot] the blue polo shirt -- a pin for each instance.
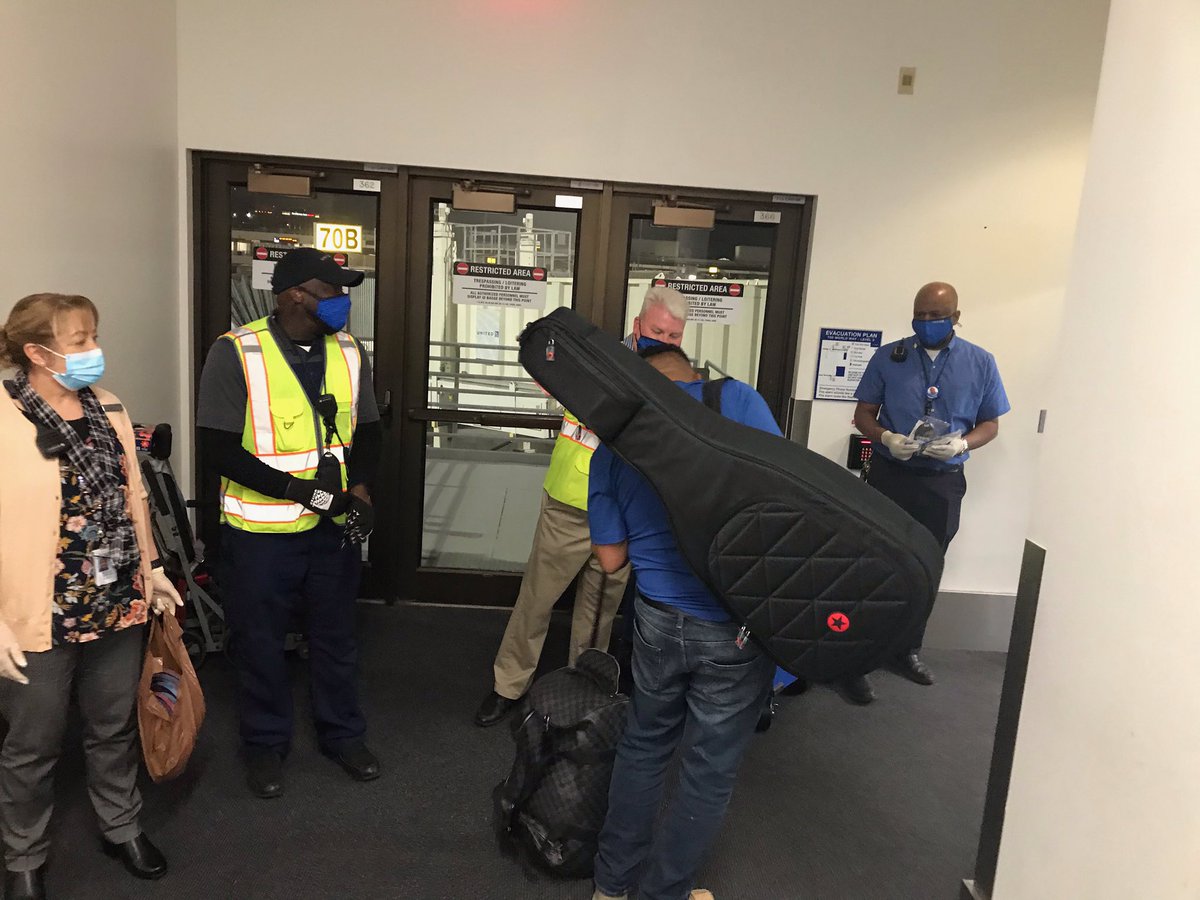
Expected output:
(969, 390)
(622, 506)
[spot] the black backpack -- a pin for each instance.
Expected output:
(550, 808)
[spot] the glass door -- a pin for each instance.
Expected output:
(478, 432)
(742, 277)
(252, 214)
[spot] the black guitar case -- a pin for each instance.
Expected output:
(829, 576)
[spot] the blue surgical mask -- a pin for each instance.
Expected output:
(645, 343)
(334, 311)
(932, 332)
(83, 369)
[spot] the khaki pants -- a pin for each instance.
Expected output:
(562, 547)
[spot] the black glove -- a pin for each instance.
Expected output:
(360, 521)
(321, 499)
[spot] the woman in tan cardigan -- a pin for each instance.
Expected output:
(79, 574)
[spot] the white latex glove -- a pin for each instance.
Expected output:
(945, 448)
(898, 445)
(12, 660)
(163, 596)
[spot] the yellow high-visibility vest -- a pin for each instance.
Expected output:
(567, 478)
(282, 427)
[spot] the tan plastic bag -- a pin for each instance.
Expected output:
(170, 701)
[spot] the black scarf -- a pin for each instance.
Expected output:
(100, 468)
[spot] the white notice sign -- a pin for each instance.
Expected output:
(717, 302)
(261, 271)
(483, 284)
(842, 359)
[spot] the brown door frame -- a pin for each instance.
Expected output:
(402, 322)
(788, 275)
(445, 584)
(215, 174)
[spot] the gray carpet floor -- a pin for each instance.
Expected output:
(835, 802)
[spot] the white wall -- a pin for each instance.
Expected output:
(90, 198)
(974, 179)
(1105, 794)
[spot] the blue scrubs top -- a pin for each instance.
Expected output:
(969, 390)
(622, 506)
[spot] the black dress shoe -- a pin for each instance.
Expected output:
(859, 690)
(493, 709)
(141, 858)
(911, 667)
(25, 885)
(264, 772)
(359, 762)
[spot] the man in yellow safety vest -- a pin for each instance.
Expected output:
(562, 546)
(287, 417)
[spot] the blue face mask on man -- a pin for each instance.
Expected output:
(83, 369)
(645, 343)
(933, 332)
(334, 311)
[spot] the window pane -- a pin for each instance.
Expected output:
(491, 275)
(724, 332)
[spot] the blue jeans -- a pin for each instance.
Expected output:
(694, 689)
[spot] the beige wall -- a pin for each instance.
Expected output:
(1105, 795)
(974, 179)
(90, 199)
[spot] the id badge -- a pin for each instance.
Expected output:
(104, 570)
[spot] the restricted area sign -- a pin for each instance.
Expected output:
(718, 302)
(484, 284)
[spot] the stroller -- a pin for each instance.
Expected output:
(202, 617)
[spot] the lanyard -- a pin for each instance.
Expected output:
(931, 391)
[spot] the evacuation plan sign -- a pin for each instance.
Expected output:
(718, 302)
(842, 360)
(484, 284)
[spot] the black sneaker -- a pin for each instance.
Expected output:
(493, 709)
(264, 772)
(858, 690)
(911, 667)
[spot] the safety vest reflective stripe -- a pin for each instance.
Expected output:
(574, 430)
(353, 360)
(258, 393)
(278, 513)
(304, 461)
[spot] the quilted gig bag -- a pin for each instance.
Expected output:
(827, 575)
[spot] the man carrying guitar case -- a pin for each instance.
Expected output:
(826, 575)
(696, 687)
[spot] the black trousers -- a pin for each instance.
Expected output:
(270, 584)
(933, 498)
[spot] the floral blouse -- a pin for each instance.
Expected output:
(83, 610)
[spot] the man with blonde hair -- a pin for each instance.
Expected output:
(562, 541)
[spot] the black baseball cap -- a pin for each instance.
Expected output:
(304, 263)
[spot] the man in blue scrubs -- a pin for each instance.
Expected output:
(935, 377)
(690, 676)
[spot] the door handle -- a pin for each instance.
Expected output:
(385, 409)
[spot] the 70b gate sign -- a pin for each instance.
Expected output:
(329, 238)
